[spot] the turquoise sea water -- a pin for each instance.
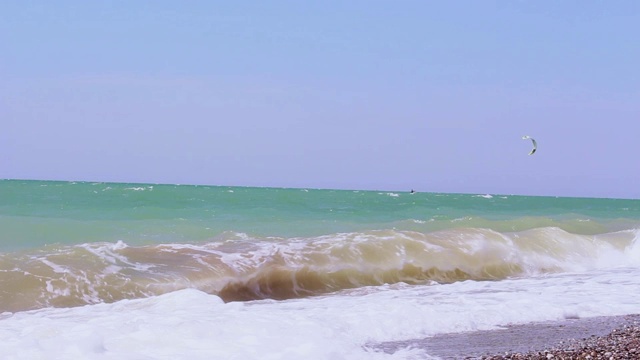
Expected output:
(150, 271)
(37, 213)
(72, 243)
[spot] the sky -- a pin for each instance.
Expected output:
(382, 95)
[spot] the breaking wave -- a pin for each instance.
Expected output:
(238, 267)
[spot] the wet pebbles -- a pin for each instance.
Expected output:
(621, 343)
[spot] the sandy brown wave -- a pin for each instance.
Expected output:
(278, 268)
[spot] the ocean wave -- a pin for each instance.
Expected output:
(237, 266)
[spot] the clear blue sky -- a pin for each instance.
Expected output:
(388, 95)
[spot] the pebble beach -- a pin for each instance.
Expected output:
(620, 343)
(604, 337)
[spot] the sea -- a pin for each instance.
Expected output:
(93, 270)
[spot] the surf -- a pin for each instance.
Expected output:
(239, 267)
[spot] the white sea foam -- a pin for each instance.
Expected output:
(110, 253)
(55, 267)
(190, 324)
(486, 196)
(633, 250)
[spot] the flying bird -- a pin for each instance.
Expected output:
(535, 145)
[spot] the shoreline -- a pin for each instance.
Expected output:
(582, 338)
